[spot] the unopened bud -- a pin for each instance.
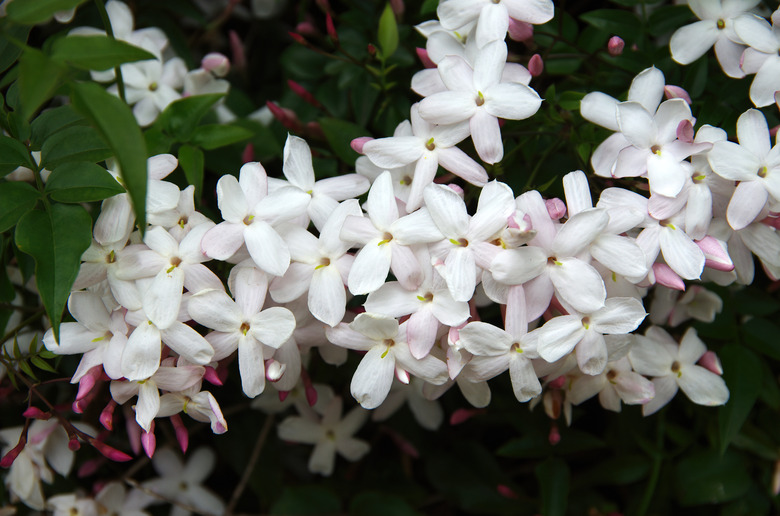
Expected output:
(711, 362)
(403, 444)
(216, 63)
(664, 275)
(457, 189)
(181, 432)
(558, 383)
(211, 375)
(149, 442)
(685, 131)
(715, 254)
(398, 7)
(36, 413)
(520, 31)
(298, 38)
(14, 452)
(109, 452)
(675, 92)
(283, 395)
(357, 143)
(554, 437)
(303, 93)
(306, 28)
(285, 116)
(248, 154)
(237, 49)
(74, 444)
(90, 467)
(425, 59)
(331, 28)
(464, 414)
(536, 65)
(87, 382)
(506, 491)
(274, 370)
(107, 415)
(555, 208)
(371, 49)
(615, 46)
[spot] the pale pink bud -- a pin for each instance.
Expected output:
(675, 92)
(664, 275)
(216, 63)
(464, 414)
(398, 7)
(536, 65)
(402, 375)
(133, 430)
(422, 54)
(558, 383)
(555, 208)
(554, 437)
(615, 46)
(685, 131)
(87, 382)
(457, 189)
(311, 392)
(36, 413)
(314, 130)
(274, 370)
(211, 376)
(181, 432)
(90, 467)
(237, 49)
(107, 415)
(306, 28)
(506, 491)
(248, 154)
(715, 253)
(773, 131)
(149, 442)
(357, 143)
(109, 452)
(520, 31)
(711, 362)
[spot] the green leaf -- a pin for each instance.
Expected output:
(16, 199)
(33, 12)
(339, 134)
(56, 239)
(761, 335)
(378, 503)
(81, 182)
(181, 117)
(620, 470)
(668, 18)
(117, 126)
(191, 161)
(553, 476)
(429, 6)
(39, 79)
(77, 143)
(10, 52)
(537, 445)
(13, 154)
(52, 121)
(751, 301)
(213, 136)
(709, 478)
(306, 500)
(743, 377)
(570, 100)
(96, 52)
(42, 364)
(388, 32)
(614, 21)
(24, 366)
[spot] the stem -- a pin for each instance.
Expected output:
(120, 83)
(652, 482)
(250, 467)
(13, 331)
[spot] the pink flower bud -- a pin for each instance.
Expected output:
(109, 452)
(457, 189)
(299, 39)
(107, 415)
(303, 93)
(248, 154)
(685, 131)
(398, 7)
(536, 65)
(274, 370)
(711, 362)
(664, 275)
(237, 49)
(306, 28)
(675, 92)
(211, 376)
(87, 382)
(554, 437)
(422, 54)
(773, 131)
(149, 442)
(357, 143)
(216, 63)
(74, 444)
(90, 467)
(558, 383)
(371, 49)
(506, 491)
(520, 31)
(615, 46)
(285, 116)
(715, 253)
(555, 208)
(464, 414)
(181, 432)
(402, 375)
(133, 430)
(331, 28)
(283, 395)
(310, 391)
(36, 413)
(14, 452)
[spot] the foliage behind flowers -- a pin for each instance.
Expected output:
(375, 259)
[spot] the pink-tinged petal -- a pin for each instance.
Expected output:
(484, 339)
(405, 266)
(327, 296)
(669, 116)
(223, 240)
(601, 109)
(716, 254)
(578, 284)
(756, 32)
(634, 389)
(373, 377)
(457, 75)
(297, 167)
(647, 88)
(661, 207)
(492, 25)
(511, 101)
(525, 383)
(486, 135)
(141, 356)
(394, 152)
(251, 367)
(188, 343)
(619, 315)
(636, 124)
(766, 83)
(517, 266)
(682, 255)
(254, 183)
(703, 387)
(746, 203)
(231, 200)
(447, 310)
(734, 162)
(728, 54)
(461, 273)
(214, 309)
(631, 162)
(163, 298)
(267, 248)
(619, 254)
(421, 331)
(753, 132)
(532, 204)
(273, 326)
(558, 337)
(462, 165)
(692, 41)
(579, 231)
(664, 275)
(592, 353)
(370, 268)
(147, 406)
(448, 107)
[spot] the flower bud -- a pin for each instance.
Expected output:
(36, 413)
(520, 31)
(464, 414)
(715, 253)
(615, 46)
(711, 362)
(274, 370)
(216, 63)
(303, 93)
(109, 452)
(306, 28)
(536, 65)
(211, 376)
(357, 143)
(665, 276)
(506, 491)
(422, 54)
(331, 28)
(181, 432)
(685, 131)
(283, 395)
(398, 7)
(675, 92)
(554, 437)
(149, 441)
(107, 415)
(371, 49)
(237, 49)
(14, 452)
(555, 208)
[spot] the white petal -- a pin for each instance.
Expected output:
(373, 377)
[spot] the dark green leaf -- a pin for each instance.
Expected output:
(56, 239)
(24, 366)
(538, 445)
(9, 52)
(117, 126)
(213, 136)
(181, 117)
(761, 335)
(429, 6)
(751, 301)
(339, 134)
(7, 292)
(96, 52)
(39, 78)
(306, 500)
(81, 182)
(42, 364)
(16, 199)
(618, 471)
(742, 374)
(13, 154)
(708, 478)
(51, 121)
(614, 21)
(668, 18)
(32, 12)
(378, 503)
(77, 143)
(388, 32)
(570, 100)
(48, 355)
(553, 476)
(191, 161)
(157, 141)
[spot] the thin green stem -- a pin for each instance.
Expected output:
(120, 83)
